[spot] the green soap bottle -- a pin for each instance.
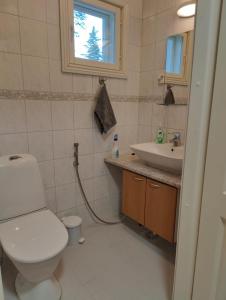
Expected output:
(160, 137)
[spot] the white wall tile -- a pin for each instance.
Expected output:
(149, 8)
(54, 41)
(164, 24)
(131, 136)
(133, 84)
(119, 109)
(100, 187)
(145, 113)
(33, 38)
(9, 6)
(63, 141)
(9, 33)
(177, 117)
(12, 116)
(148, 31)
(164, 5)
(85, 139)
(51, 199)
(11, 71)
(38, 115)
(144, 134)
(64, 171)
(65, 197)
(33, 9)
(88, 185)
(147, 83)
(133, 58)
(41, 145)
(87, 219)
(82, 84)
(13, 143)
(52, 11)
(158, 116)
(35, 73)
(135, 8)
(62, 114)
(47, 173)
(131, 113)
(160, 54)
(103, 143)
(59, 81)
(148, 58)
(135, 25)
(83, 114)
(116, 86)
(100, 168)
(86, 166)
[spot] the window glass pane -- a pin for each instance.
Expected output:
(174, 54)
(94, 33)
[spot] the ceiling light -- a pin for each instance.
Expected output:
(187, 10)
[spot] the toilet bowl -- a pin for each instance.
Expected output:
(34, 241)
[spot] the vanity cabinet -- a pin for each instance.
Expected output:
(134, 196)
(150, 203)
(160, 209)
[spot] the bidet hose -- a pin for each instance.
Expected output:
(90, 209)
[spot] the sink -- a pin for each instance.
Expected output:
(161, 156)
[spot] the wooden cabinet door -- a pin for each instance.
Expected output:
(160, 210)
(134, 193)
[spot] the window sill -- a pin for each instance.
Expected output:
(87, 70)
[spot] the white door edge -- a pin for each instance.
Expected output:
(205, 46)
(1, 287)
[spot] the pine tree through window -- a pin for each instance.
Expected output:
(94, 33)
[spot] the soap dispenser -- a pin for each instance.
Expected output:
(160, 136)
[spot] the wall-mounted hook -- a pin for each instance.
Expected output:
(102, 80)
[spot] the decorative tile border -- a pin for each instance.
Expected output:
(58, 96)
(159, 99)
(53, 96)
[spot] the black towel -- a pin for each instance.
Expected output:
(103, 113)
(169, 97)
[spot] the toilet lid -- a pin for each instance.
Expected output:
(34, 237)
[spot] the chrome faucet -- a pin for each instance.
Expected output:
(176, 140)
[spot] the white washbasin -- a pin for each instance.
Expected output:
(162, 156)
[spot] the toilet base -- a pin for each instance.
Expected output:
(48, 289)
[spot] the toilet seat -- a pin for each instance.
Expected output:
(33, 238)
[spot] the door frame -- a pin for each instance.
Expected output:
(204, 61)
(1, 286)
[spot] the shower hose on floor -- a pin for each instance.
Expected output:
(90, 209)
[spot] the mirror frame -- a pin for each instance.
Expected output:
(184, 77)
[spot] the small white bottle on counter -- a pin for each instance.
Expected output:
(115, 148)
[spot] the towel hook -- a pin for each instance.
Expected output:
(102, 80)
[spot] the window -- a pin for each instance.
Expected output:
(174, 54)
(93, 37)
(178, 59)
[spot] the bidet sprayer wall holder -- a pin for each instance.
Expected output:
(76, 163)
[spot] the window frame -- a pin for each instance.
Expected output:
(72, 64)
(184, 77)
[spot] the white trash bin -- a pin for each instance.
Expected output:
(73, 226)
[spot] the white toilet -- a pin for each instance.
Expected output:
(30, 234)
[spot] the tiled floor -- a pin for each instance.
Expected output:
(115, 263)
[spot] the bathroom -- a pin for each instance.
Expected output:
(47, 102)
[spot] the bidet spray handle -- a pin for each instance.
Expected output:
(76, 162)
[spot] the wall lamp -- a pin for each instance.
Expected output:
(187, 10)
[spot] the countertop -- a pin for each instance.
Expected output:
(136, 165)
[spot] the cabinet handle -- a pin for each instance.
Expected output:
(138, 179)
(154, 186)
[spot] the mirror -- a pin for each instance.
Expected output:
(178, 58)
